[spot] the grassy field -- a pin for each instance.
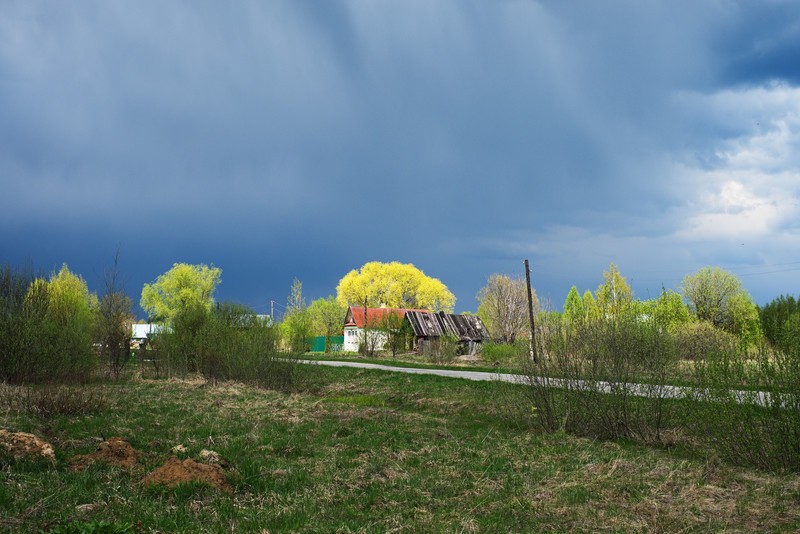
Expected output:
(370, 451)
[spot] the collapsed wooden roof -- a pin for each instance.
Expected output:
(464, 327)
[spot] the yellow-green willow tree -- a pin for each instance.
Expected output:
(394, 285)
(181, 288)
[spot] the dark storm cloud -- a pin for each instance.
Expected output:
(762, 43)
(303, 139)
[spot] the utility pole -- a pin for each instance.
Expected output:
(534, 354)
(366, 341)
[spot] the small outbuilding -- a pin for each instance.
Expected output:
(429, 328)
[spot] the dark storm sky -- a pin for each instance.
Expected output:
(304, 138)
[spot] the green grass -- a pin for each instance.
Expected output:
(370, 451)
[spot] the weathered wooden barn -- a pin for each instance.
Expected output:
(429, 328)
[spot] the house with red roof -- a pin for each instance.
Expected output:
(357, 321)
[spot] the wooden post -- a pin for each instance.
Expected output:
(366, 342)
(534, 354)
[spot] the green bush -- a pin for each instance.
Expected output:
(46, 327)
(175, 347)
(612, 377)
(16, 327)
(700, 339)
(229, 343)
(499, 353)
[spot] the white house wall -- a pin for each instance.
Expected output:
(354, 335)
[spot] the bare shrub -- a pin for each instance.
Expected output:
(52, 401)
(699, 340)
(114, 319)
(602, 378)
(441, 350)
(748, 409)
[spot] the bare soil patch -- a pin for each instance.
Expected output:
(176, 472)
(115, 451)
(23, 445)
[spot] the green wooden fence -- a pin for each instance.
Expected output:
(317, 344)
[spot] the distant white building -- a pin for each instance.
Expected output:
(142, 331)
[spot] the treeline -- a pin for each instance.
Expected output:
(54, 330)
(710, 302)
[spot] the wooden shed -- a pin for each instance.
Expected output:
(428, 329)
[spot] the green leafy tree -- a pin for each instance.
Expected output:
(614, 295)
(327, 318)
(394, 285)
(16, 322)
(69, 325)
(183, 287)
(789, 337)
(590, 308)
(717, 296)
(503, 307)
(396, 331)
(773, 316)
(46, 327)
(669, 310)
(573, 306)
(297, 320)
(742, 319)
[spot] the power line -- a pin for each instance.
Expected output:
(771, 272)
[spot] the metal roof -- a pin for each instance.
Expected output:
(464, 327)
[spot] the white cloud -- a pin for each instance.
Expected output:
(752, 189)
(737, 211)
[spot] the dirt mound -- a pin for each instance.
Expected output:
(24, 445)
(114, 451)
(176, 472)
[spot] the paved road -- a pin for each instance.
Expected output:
(469, 375)
(759, 398)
